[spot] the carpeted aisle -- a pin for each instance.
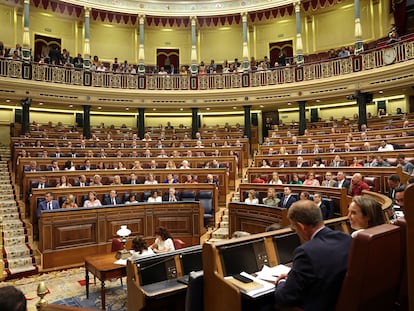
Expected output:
(67, 287)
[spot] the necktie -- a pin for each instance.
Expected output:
(82, 184)
(50, 206)
(285, 202)
(133, 182)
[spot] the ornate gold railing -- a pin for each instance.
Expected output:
(383, 56)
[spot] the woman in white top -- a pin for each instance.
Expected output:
(251, 199)
(132, 199)
(92, 201)
(139, 248)
(63, 182)
(265, 163)
(364, 212)
(275, 179)
(151, 180)
(69, 166)
(154, 197)
(163, 241)
(318, 163)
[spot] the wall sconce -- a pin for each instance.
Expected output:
(123, 233)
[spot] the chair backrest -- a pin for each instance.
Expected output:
(178, 244)
(194, 300)
(145, 196)
(116, 245)
(188, 195)
(373, 278)
(206, 200)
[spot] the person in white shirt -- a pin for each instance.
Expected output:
(139, 248)
(275, 179)
(385, 147)
(251, 199)
(163, 241)
(154, 197)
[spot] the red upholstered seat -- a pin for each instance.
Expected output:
(373, 279)
(178, 244)
(116, 245)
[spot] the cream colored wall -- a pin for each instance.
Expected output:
(7, 25)
(176, 120)
(221, 45)
(114, 119)
(43, 117)
(113, 40)
(213, 120)
(279, 30)
(158, 37)
(53, 25)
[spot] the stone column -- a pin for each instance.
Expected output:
(26, 55)
(246, 63)
(302, 116)
(299, 44)
(247, 125)
(86, 47)
(26, 115)
(194, 122)
(141, 51)
(361, 99)
(87, 121)
(358, 30)
(194, 62)
(141, 122)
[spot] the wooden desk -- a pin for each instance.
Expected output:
(104, 268)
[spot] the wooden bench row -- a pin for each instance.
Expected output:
(376, 177)
(31, 178)
(327, 158)
(197, 164)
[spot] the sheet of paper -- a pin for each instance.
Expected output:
(271, 274)
(122, 262)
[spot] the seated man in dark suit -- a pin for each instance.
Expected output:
(317, 198)
(342, 182)
(212, 180)
(287, 199)
(319, 265)
(112, 199)
(47, 204)
(32, 167)
(82, 182)
(171, 196)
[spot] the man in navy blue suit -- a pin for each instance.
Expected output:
(319, 265)
(47, 204)
(288, 199)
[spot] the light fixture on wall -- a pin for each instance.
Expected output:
(123, 233)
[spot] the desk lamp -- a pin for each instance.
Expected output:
(123, 233)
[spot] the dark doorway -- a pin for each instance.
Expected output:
(168, 57)
(43, 44)
(275, 49)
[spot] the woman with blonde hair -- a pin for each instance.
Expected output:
(251, 199)
(70, 202)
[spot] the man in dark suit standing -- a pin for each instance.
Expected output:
(288, 199)
(319, 265)
(48, 204)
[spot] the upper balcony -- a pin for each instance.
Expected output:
(387, 68)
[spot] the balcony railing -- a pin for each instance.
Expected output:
(400, 52)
